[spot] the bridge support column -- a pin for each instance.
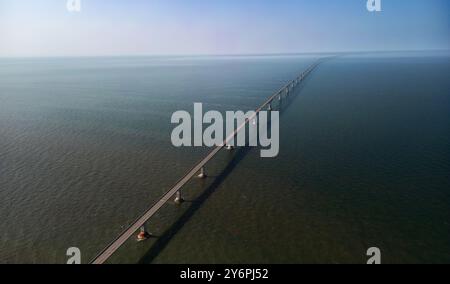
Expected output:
(178, 198)
(143, 234)
(229, 147)
(202, 173)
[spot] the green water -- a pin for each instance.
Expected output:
(364, 160)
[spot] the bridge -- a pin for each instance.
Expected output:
(139, 223)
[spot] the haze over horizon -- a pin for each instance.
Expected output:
(221, 27)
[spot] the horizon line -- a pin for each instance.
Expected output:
(230, 54)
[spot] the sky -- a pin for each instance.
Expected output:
(182, 27)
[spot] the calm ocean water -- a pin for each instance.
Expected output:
(364, 160)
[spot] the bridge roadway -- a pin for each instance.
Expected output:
(103, 256)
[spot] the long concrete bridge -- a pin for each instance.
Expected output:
(139, 224)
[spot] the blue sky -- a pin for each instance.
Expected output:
(156, 27)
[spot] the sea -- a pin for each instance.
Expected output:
(364, 159)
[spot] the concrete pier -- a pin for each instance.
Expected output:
(202, 173)
(178, 198)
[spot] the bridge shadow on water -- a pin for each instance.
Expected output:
(238, 155)
(165, 238)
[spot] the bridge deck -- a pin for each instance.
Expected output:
(124, 236)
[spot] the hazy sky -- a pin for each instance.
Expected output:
(137, 27)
